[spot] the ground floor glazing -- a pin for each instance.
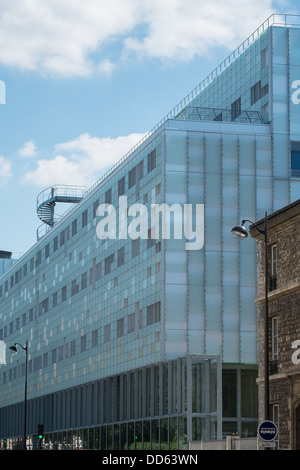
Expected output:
(162, 406)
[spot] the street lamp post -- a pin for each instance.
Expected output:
(241, 232)
(14, 349)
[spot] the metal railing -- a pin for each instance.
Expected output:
(192, 113)
(64, 191)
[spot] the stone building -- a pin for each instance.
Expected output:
(283, 322)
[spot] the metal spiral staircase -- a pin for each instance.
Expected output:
(47, 199)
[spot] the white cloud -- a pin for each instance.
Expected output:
(106, 67)
(67, 38)
(181, 30)
(58, 36)
(5, 169)
(29, 149)
(81, 161)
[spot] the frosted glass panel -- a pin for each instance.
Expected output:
(247, 155)
(213, 228)
(231, 346)
(247, 196)
(196, 152)
(263, 157)
(176, 150)
(175, 303)
(264, 195)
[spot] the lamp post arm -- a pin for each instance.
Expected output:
(23, 347)
(253, 223)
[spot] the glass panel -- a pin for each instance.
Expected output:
(155, 434)
(198, 429)
(109, 441)
(164, 434)
(138, 436)
(123, 437)
(173, 433)
(103, 441)
(116, 432)
(131, 436)
(146, 435)
(198, 397)
(229, 428)
(156, 391)
(249, 429)
(229, 393)
(248, 393)
(97, 438)
(182, 433)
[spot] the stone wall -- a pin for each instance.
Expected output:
(284, 304)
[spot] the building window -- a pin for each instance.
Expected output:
(153, 313)
(98, 271)
(257, 92)
(53, 356)
(84, 218)
(83, 280)
(121, 256)
(132, 178)
(94, 338)
(151, 160)
(121, 186)
(55, 244)
(120, 328)
(107, 333)
(150, 241)
(295, 159)
(107, 264)
(108, 196)
(64, 294)
(73, 347)
(136, 174)
(235, 109)
(74, 287)
(45, 359)
(274, 352)
(264, 58)
(275, 338)
(74, 227)
(131, 322)
(273, 277)
(83, 343)
(39, 258)
(135, 247)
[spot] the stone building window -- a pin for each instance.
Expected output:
(275, 338)
(273, 276)
(274, 360)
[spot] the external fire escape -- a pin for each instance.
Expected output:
(48, 198)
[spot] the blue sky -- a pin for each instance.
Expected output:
(85, 79)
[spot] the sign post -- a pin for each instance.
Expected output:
(267, 432)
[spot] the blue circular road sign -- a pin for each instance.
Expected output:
(267, 431)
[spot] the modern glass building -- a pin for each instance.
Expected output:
(142, 339)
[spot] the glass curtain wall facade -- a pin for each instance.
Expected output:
(154, 344)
